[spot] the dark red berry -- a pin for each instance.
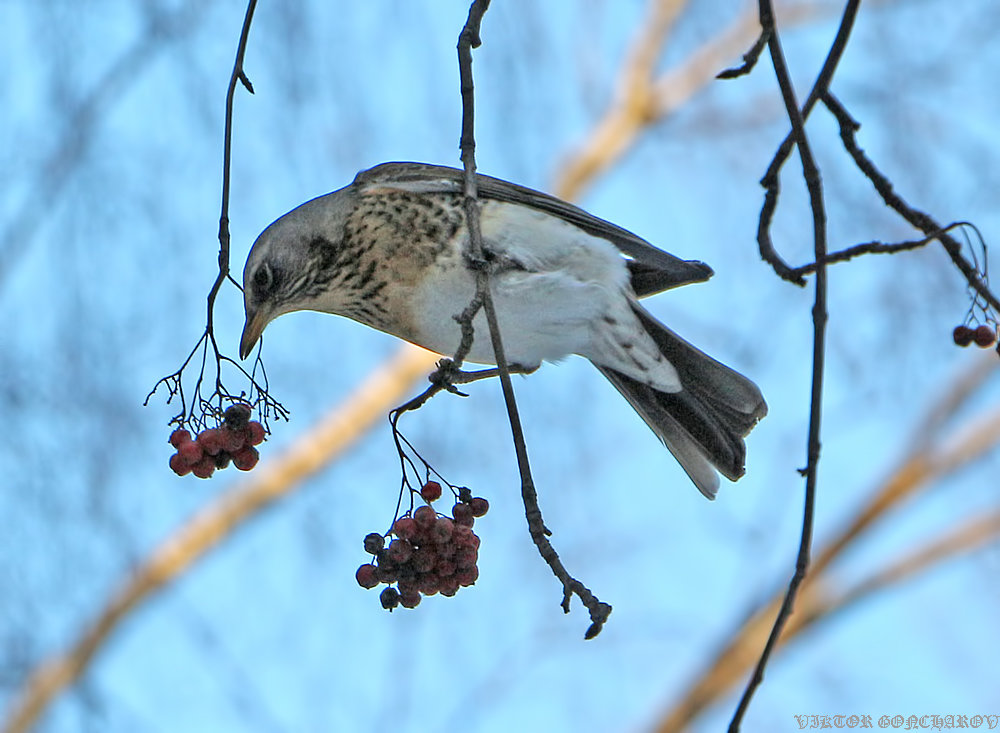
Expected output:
(423, 559)
(222, 460)
(424, 516)
(467, 576)
(479, 506)
(410, 584)
(255, 433)
(246, 458)
(400, 552)
(405, 528)
(422, 536)
(465, 557)
(430, 583)
(204, 468)
(431, 491)
(463, 514)
(440, 531)
(984, 336)
(232, 440)
(449, 586)
(236, 416)
(962, 335)
(374, 542)
(179, 466)
(179, 437)
(386, 572)
(389, 598)
(191, 452)
(211, 441)
(406, 574)
(410, 599)
(444, 568)
(464, 537)
(367, 576)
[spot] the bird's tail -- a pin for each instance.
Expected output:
(704, 424)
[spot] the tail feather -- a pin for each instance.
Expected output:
(704, 424)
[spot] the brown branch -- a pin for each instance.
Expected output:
(271, 480)
(238, 75)
(599, 611)
(967, 537)
(633, 107)
(874, 248)
(815, 607)
(771, 181)
(916, 218)
(810, 172)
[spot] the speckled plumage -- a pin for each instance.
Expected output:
(390, 251)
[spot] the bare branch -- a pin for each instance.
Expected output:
(916, 218)
(810, 172)
(599, 611)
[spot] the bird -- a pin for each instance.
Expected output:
(391, 251)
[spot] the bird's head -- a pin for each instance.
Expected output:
(294, 263)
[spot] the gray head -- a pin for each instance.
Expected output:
(289, 266)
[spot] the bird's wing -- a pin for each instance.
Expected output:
(652, 269)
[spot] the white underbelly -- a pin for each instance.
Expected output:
(540, 317)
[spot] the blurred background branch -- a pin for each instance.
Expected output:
(645, 97)
(931, 459)
(85, 114)
(270, 482)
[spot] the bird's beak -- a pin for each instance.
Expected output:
(252, 329)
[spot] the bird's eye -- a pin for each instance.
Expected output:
(263, 280)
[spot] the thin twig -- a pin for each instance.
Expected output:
(878, 248)
(916, 218)
(771, 181)
(810, 173)
(599, 611)
(200, 408)
(238, 75)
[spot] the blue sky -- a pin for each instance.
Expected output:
(105, 289)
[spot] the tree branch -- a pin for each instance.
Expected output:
(810, 173)
(599, 611)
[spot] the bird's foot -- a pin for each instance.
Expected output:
(447, 375)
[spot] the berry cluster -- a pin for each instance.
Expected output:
(982, 336)
(213, 448)
(429, 554)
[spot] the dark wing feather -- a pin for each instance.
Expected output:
(653, 270)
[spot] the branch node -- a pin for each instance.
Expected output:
(245, 80)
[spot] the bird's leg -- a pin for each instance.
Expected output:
(447, 375)
(464, 377)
